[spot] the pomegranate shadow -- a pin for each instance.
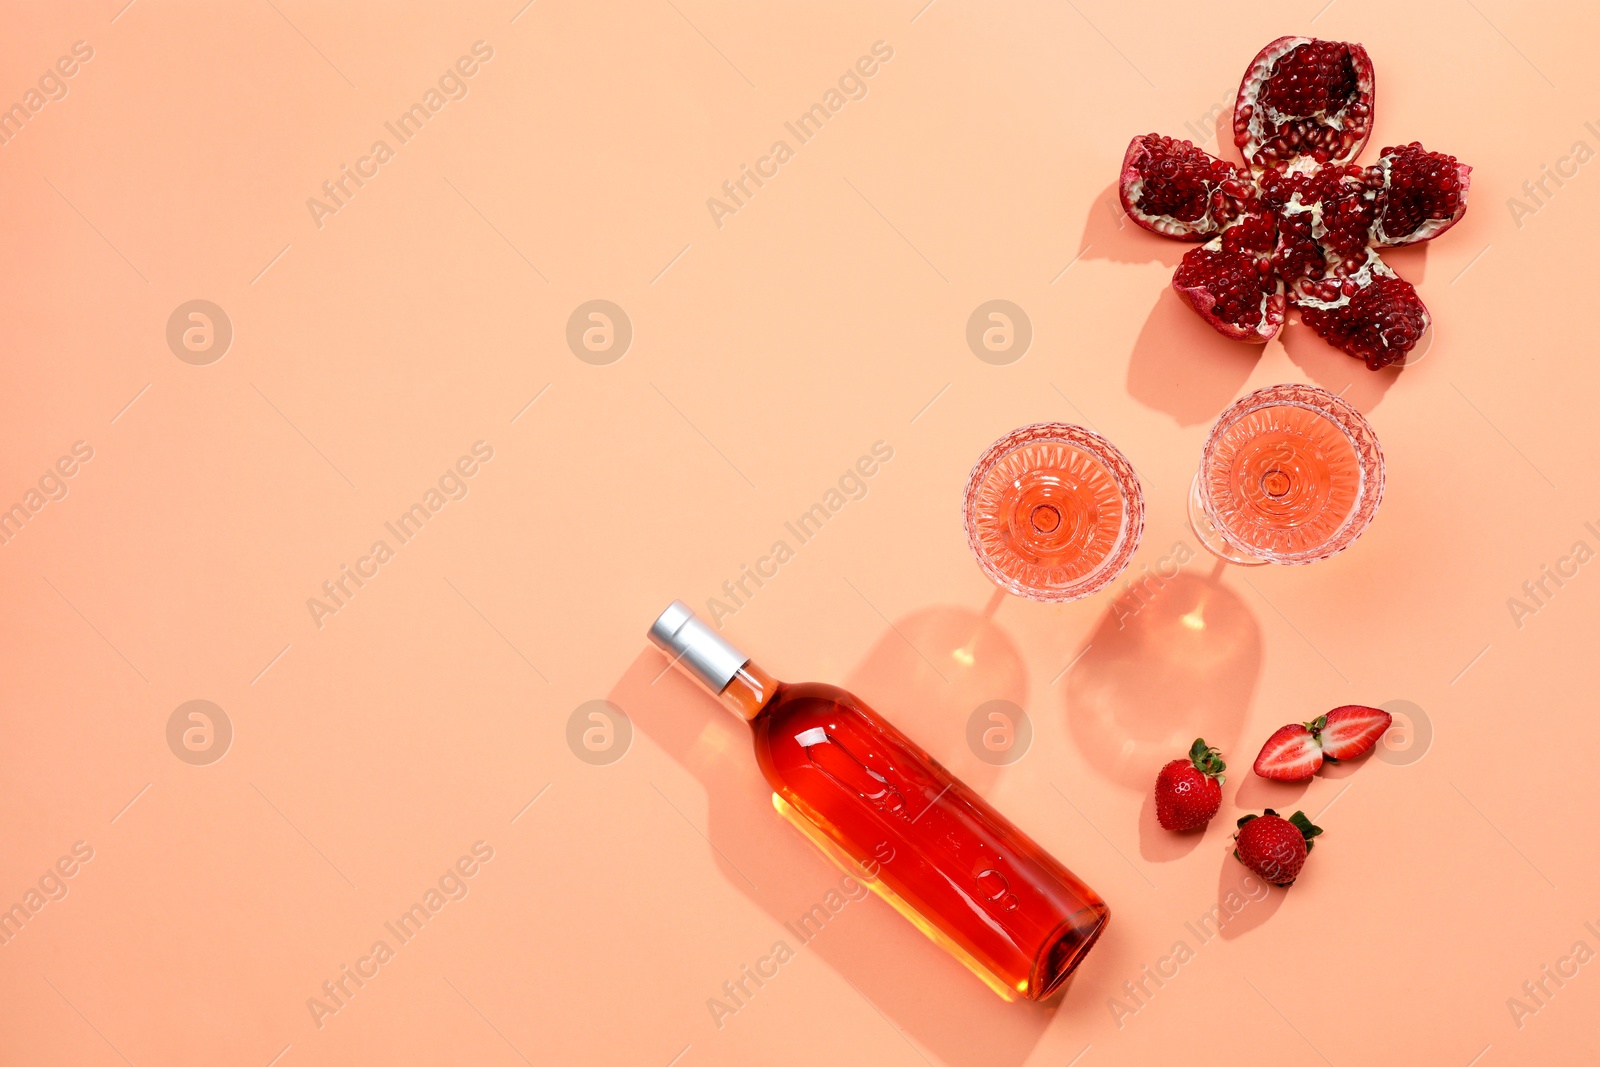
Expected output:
(1183, 367)
(1109, 234)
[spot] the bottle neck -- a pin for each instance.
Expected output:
(750, 690)
(703, 654)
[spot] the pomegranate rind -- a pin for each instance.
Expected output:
(1250, 118)
(1199, 295)
(1131, 187)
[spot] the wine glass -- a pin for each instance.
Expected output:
(1053, 512)
(1290, 474)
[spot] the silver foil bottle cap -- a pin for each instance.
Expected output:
(696, 647)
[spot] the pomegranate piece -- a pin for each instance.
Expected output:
(1172, 188)
(1229, 281)
(1299, 258)
(1349, 209)
(1304, 97)
(1230, 293)
(1423, 194)
(1380, 322)
(1302, 224)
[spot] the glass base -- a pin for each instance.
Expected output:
(1209, 535)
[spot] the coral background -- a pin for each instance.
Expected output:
(435, 708)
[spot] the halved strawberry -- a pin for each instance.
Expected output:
(1292, 754)
(1352, 730)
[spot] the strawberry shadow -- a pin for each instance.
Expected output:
(1160, 845)
(1245, 900)
(1256, 793)
(1336, 769)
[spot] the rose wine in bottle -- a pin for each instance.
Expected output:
(877, 803)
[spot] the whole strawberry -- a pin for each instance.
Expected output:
(1274, 847)
(1294, 752)
(1189, 791)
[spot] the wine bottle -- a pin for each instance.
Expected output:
(886, 810)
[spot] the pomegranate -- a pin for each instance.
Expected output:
(1172, 188)
(1230, 281)
(1426, 194)
(1302, 96)
(1301, 223)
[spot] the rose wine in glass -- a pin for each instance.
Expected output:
(1290, 474)
(1053, 512)
(894, 818)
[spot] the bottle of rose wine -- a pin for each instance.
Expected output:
(886, 810)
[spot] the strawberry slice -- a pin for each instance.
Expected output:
(1352, 730)
(1292, 754)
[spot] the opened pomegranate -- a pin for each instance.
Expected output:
(1300, 224)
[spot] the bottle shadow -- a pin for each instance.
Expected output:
(927, 673)
(1172, 659)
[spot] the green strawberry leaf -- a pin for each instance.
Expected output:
(1206, 759)
(1307, 829)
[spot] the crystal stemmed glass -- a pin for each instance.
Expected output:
(1290, 474)
(1053, 512)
